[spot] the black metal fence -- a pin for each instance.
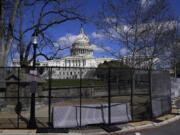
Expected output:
(74, 97)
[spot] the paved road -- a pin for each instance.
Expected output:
(170, 129)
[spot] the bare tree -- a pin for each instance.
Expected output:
(142, 27)
(8, 13)
(173, 55)
(38, 16)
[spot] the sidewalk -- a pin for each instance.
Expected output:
(125, 128)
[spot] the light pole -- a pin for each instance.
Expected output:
(32, 122)
(34, 42)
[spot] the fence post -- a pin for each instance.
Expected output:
(109, 96)
(132, 90)
(150, 94)
(80, 90)
(49, 97)
(170, 93)
(18, 93)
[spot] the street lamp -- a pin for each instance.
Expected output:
(34, 41)
(32, 122)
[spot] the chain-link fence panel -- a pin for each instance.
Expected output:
(141, 95)
(9, 91)
(69, 97)
(65, 97)
(120, 95)
(160, 92)
(94, 96)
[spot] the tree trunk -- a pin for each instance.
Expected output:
(6, 40)
(3, 59)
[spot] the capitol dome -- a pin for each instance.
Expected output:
(81, 38)
(82, 45)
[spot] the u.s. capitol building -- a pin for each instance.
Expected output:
(81, 57)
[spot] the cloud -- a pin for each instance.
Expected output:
(100, 48)
(66, 40)
(16, 55)
(97, 48)
(143, 2)
(124, 51)
(110, 20)
(146, 28)
(97, 36)
(14, 46)
(146, 3)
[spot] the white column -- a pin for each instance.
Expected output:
(81, 63)
(78, 62)
(69, 63)
(73, 63)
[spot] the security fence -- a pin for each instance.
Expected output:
(67, 97)
(175, 87)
